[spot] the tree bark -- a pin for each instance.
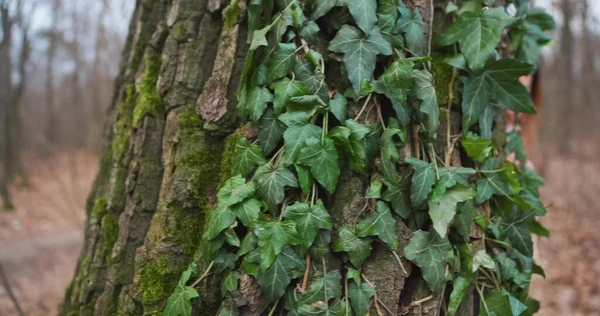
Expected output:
(6, 98)
(171, 136)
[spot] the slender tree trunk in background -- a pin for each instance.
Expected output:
(98, 75)
(51, 129)
(567, 45)
(170, 141)
(6, 100)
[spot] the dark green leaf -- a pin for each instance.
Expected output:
(430, 252)
(281, 61)
(271, 182)
(257, 102)
(321, 7)
(412, 25)
(285, 89)
(308, 220)
(364, 13)
(270, 131)
(273, 237)
(399, 199)
(276, 279)
(380, 224)
(295, 138)
(389, 153)
(230, 282)
(322, 288)
(247, 211)
(424, 90)
(360, 52)
(220, 218)
(442, 213)
(421, 184)
(396, 81)
(338, 106)
(322, 158)
(464, 219)
(460, 286)
(358, 249)
(246, 157)
(374, 191)
(360, 297)
(477, 148)
(178, 303)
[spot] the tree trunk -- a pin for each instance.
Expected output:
(171, 137)
(6, 105)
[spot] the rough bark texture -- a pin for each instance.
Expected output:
(171, 136)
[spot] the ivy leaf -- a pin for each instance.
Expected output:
(248, 244)
(246, 157)
(322, 158)
(321, 7)
(412, 25)
(380, 224)
(442, 213)
(270, 131)
(235, 190)
(389, 153)
(399, 199)
(486, 120)
(247, 211)
(308, 31)
(358, 249)
(230, 282)
(276, 279)
(516, 232)
(259, 38)
(322, 288)
(338, 106)
(360, 297)
(273, 237)
(396, 81)
(424, 90)
(374, 191)
(498, 82)
(271, 182)
(507, 267)
(422, 182)
(312, 78)
(257, 102)
(460, 285)
(360, 52)
(448, 178)
(220, 218)
(430, 252)
(281, 61)
(464, 219)
(364, 13)
(178, 303)
(501, 302)
(295, 138)
(308, 220)
(285, 89)
(477, 33)
(482, 259)
(476, 147)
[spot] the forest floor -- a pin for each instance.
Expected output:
(40, 241)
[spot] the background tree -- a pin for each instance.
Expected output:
(174, 214)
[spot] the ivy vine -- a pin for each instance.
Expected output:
(315, 73)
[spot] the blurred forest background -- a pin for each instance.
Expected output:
(58, 60)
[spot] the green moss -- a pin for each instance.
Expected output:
(148, 101)
(156, 279)
(81, 273)
(99, 208)
(231, 15)
(442, 75)
(179, 30)
(123, 127)
(110, 233)
(227, 158)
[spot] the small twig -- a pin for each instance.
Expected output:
(387, 309)
(379, 115)
(375, 299)
(363, 107)
(12, 296)
(433, 156)
(306, 271)
(360, 212)
(272, 312)
(400, 262)
(421, 301)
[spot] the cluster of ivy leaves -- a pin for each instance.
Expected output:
(272, 213)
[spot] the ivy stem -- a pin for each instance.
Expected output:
(375, 299)
(306, 271)
(450, 143)
(433, 155)
(203, 275)
(281, 14)
(501, 243)
(346, 296)
(325, 280)
(272, 312)
(272, 161)
(379, 115)
(482, 298)
(363, 107)
(491, 171)
(325, 127)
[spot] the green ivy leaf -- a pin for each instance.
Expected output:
(430, 252)
(248, 244)
(396, 81)
(178, 303)
(277, 277)
(308, 221)
(281, 61)
(322, 288)
(399, 199)
(387, 14)
(516, 231)
(498, 82)
(230, 282)
(476, 147)
(271, 183)
(322, 158)
(235, 190)
(295, 138)
(422, 181)
(338, 106)
(424, 90)
(308, 31)
(449, 177)
(220, 218)
(360, 52)
(506, 266)
(257, 102)
(270, 131)
(482, 259)
(312, 78)
(486, 120)
(364, 13)
(273, 237)
(358, 249)
(285, 89)
(464, 219)
(389, 153)
(477, 33)
(321, 7)
(442, 213)
(259, 38)
(380, 224)
(247, 211)
(246, 157)
(412, 25)
(460, 286)
(374, 191)
(360, 297)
